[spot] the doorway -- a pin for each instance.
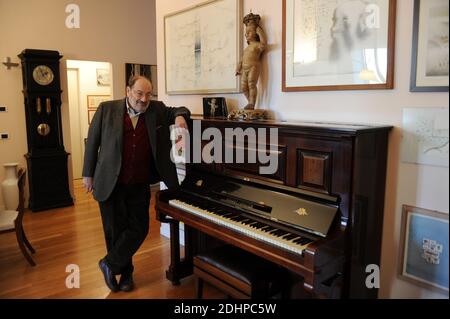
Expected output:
(89, 84)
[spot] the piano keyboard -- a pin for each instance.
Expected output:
(246, 226)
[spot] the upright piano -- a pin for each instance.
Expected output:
(319, 213)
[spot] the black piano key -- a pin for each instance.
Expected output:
(268, 229)
(237, 218)
(228, 215)
(240, 219)
(305, 241)
(274, 232)
(289, 236)
(260, 225)
(279, 233)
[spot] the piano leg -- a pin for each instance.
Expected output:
(179, 268)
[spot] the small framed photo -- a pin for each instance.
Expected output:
(93, 101)
(424, 248)
(429, 67)
(103, 77)
(214, 107)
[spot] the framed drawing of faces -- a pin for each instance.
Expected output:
(338, 45)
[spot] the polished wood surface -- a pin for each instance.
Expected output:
(320, 160)
(74, 235)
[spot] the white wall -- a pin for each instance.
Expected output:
(78, 112)
(114, 31)
(416, 185)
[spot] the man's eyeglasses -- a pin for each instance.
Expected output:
(139, 95)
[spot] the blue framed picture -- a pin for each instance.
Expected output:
(424, 257)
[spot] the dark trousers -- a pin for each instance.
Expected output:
(125, 217)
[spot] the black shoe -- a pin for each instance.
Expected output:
(110, 278)
(126, 282)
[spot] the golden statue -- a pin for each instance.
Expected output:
(249, 67)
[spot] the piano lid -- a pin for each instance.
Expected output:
(313, 216)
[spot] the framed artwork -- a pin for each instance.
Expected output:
(429, 67)
(203, 45)
(147, 70)
(93, 101)
(425, 136)
(424, 248)
(103, 77)
(338, 45)
(215, 107)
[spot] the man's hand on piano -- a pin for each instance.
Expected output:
(180, 126)
(180, 122)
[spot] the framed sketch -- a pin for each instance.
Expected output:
(103, 77)
(424, 248)
(214, 107)
(147, 70)
(425, 136)
(203, 45)
(338, 45)
(429, 67)
(93, 101)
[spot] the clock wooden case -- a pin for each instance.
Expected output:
(46, 157)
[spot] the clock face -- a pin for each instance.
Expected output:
(43, 75)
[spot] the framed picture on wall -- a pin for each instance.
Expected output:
(147, 70)
(424, 248)
(93, 101)
(203, 45)
(103, 77)
(214, 107)
(338, 45)
(429, 67)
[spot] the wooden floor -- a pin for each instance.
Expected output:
(74, 235)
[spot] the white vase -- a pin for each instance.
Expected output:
(10, 191)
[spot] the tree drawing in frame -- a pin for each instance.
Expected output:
(430, 52)
(338, 45)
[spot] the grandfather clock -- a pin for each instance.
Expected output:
(46, 157)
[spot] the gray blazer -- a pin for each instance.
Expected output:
(103, 151)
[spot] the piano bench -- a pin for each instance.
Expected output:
(241, 275)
